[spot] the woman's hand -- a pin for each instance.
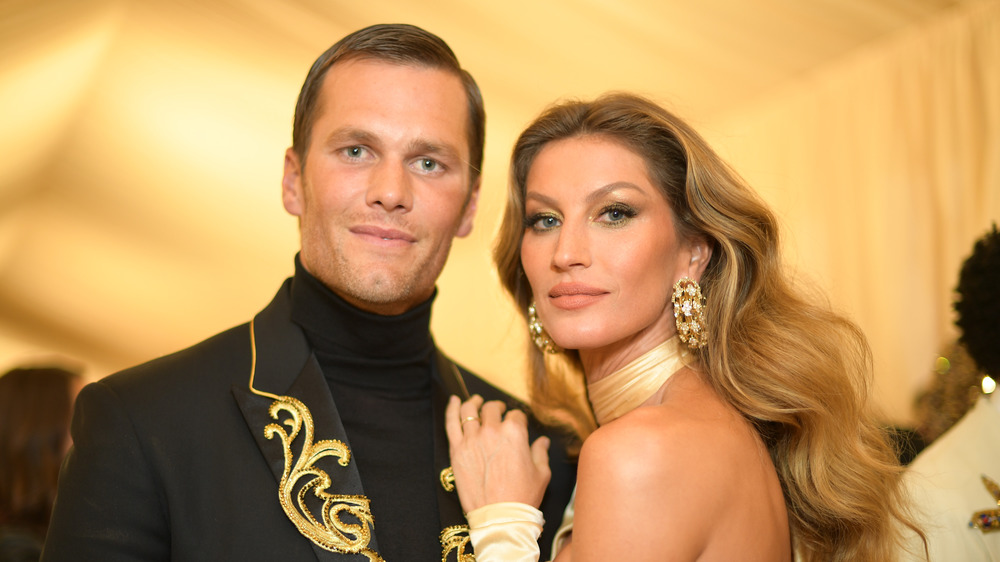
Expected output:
(491, 457)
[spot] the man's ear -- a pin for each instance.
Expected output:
(291, 184)
(701, 252)
(465, 227)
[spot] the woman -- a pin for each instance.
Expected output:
(732, 411)
(36, 406)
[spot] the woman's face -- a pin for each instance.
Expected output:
(600, 249)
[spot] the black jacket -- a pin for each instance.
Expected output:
(171, 461)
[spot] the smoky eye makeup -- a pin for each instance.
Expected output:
(542, 221)
(616, 214)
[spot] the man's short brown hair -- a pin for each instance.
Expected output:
(398, 44)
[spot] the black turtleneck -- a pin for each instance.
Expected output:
(379, 372)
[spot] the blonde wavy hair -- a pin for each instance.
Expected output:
(800, 373)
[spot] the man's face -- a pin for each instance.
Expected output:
(386, 182)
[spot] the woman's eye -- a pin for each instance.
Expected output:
(541, 222)
(617, 214)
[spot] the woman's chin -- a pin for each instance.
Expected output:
(580, 342)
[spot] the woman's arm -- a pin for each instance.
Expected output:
(490, 455)
(500, 479)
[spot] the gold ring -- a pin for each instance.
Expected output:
(468, 419)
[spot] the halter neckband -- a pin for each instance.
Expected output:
(628, 387)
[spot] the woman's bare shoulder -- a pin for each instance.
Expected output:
(664, 441)
(678, 465)
(653, 469)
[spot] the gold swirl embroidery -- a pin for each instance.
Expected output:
(333, 533)
(448, 480)
(456, 538)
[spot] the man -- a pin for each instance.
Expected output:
(953, 482)
(316, 430)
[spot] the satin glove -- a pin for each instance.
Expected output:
(505, 532)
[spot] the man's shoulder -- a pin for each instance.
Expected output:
(218, 359)
(964, 449)
(559, 435)
(478, 385)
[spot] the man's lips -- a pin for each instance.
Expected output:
(384, 234)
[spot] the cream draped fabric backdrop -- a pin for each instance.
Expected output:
(884, 171)
(142, 146)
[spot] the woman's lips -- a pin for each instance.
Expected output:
(571, 296)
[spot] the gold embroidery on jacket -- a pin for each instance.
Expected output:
(333, 533)
(456, 538)
(988, 520)
(448, 480)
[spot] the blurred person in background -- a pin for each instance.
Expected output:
(36, 405)
(953, 482)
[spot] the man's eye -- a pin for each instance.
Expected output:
(354, 151)
(428, 165)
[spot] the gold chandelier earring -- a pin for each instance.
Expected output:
(689, 312)
(538, 333)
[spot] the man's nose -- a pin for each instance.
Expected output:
(390, 186)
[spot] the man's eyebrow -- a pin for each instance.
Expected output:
(425, 146)
(415, 146)
(351, 135)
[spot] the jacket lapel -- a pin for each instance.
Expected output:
(286, 367)
(447, 380)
